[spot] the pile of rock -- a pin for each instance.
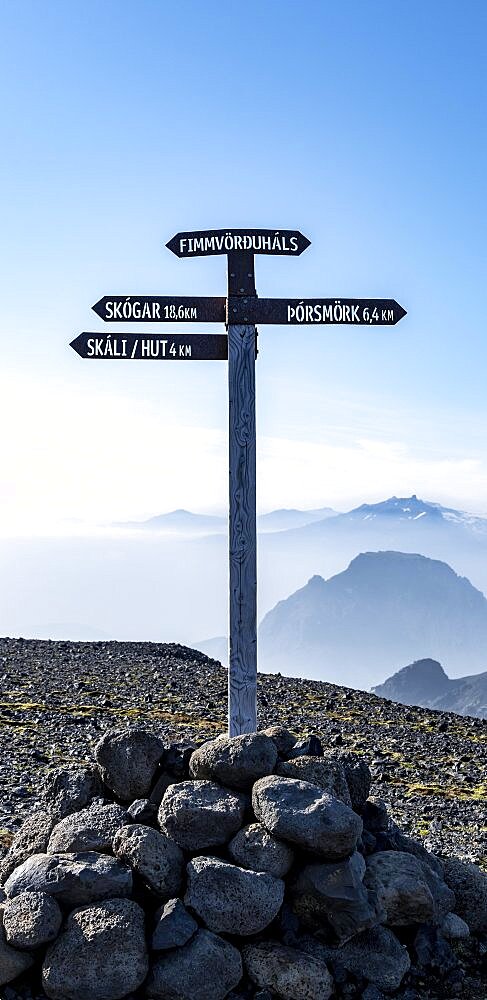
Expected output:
(249, 867)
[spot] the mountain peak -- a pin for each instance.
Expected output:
(385, 608)
(420, 683)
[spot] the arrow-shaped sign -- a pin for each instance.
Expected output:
(152, 346)
(214, 241)
(355, 312)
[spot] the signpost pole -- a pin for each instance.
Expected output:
(242, 662)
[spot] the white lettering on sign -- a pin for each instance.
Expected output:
(132, 309)
(135, 309)
(336, 312)
(107, 347)
(180, 312)
(237, 241)
(152, 348)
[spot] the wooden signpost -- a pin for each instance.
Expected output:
(240, 311)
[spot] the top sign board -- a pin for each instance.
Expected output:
(219, 241)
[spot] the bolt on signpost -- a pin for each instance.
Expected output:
(240, 311)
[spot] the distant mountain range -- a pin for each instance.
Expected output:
(425, 683)
(186, 522)
(137, 580)
(387, 607)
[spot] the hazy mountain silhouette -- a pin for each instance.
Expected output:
(166, 579)
(289, 518)
(387, 607)
(187, 522)
(425, 683)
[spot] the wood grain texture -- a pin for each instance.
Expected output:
(242, 681)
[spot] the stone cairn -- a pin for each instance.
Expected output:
(256, 866)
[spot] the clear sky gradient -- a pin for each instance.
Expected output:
(361, 124)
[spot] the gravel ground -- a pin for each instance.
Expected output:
(57, 698)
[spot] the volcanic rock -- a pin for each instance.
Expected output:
(12, 963)
(90, 829)
(334, 893)
(235, 761)
(174, 926)
(128, 759)
(398, 880)
(200, 814)
(101, 955)
(303, 814)
(32, 838)
(287, 971)
(206, 968)
(282, 738)
(73, 879)
(255, 848)
(69, 789)
(31, 919)
(375, 955)
(156, 858)
(326, 774)
(232, 900)
(470, 887)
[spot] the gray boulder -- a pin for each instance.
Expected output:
(156, 858)
(310, 746)
(410, 846)
(255, 848)
(375, 815)
(375, 955)
(200, 814)
(12, 963)
(174, 926)
(302, 813)
(101, 955)
(73, 879)
(328, 775)
(31, 919)
(334, 892)
(32, 838)
(232, 900)
(160, 788)
(128, 760)
(69, 789)
(236, 761)
(142, 811)
(357, 774)
(454, 928)
(470, 887)
(288, 972)
(207, 968)
(282, 738)
(443, 897)
(399, 881)
(91, 829)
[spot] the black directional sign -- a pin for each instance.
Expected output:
(160, 309)
(368, 312)
(214, 241)
(152, 346)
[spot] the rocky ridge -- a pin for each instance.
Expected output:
(57, 698)
(250, 868)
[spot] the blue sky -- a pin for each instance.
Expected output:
(361, 124)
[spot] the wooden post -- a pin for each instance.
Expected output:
(242, 660)
(242, 679)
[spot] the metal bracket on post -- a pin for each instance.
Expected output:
(242, 349)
